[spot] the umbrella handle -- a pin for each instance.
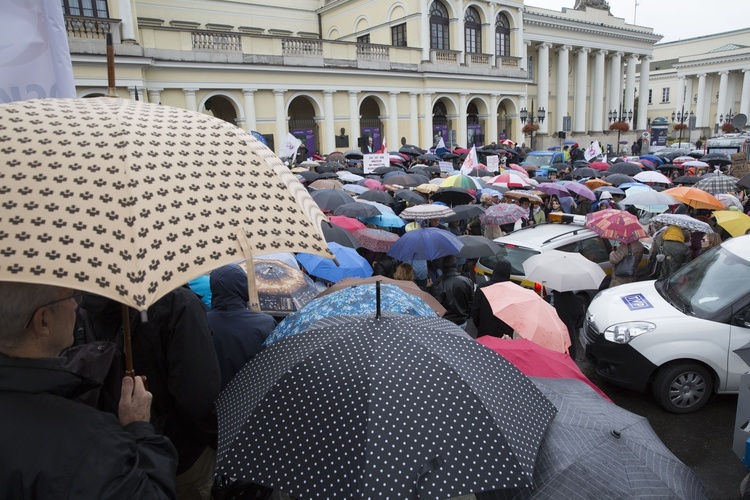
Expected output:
(430, 466)
(377, 299)
(126, 342)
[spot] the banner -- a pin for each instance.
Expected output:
(446, 167)
(34, 57)
(493, 163)
(592, 151)
(373, 161)
(739, 165)
(289, 147)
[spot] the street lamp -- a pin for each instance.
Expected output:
(541, 114)
(620, 121)
(727, 126)
(681, 117)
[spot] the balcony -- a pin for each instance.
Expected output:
(92, 28)
(216, 41)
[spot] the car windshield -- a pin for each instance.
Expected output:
(513, 254)
(709, 283)
(539, 160)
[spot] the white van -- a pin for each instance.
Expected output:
(678, 334)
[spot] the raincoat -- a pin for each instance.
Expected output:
(676, 252)
(481, 311)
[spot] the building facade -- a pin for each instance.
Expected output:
(334, 72)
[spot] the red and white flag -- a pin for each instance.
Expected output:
(592, 151)
(383, 149)
(471, 162)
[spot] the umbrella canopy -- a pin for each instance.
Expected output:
(424, 212)
(309, 176)
(349, 264)
(462, 181)
(331, 199)
(372, 184)
(452, 196)
(478, 246)
(322, 183)
(353, 153)
(376, 240)
(410, 197)
(343, 439)
(355, 189)
(346, 176)
(625, 168)
(729, 200)
(336, 156)
(583, 172)
(744, 181)
(530, 316)
(696, 164)
(580, 190)
(609, 189)
(411, 150)
(509, 179)
(657, 160)
(384, 209)
(599, 165)
(686, 179)
(357, 209)
(595, 183)
(349, 223)
(282, 289)
(649, 199)
(385, 220)
(617, 179)
(716, 159)
(378, 196)
(615, 225)
(407, 286)
(427, 188)
(405, 180)
(652, 176)
(336, 234)
(130, 200)
(683, 221)
(503, 213)
(718, 184)
(696, 198)
(735, 223)
(554, 188)
(563, 271)
(519, 195)
(464, 212)
(425, 244)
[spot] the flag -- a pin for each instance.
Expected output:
(592, 151)
(382, 148)
(440, 144)
(34, 56)
(471, 161)
(290, 146)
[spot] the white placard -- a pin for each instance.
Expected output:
(493, 163)
(373, 161)
(446, 166)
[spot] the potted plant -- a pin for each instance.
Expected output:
(529, 128)
(620, 126)
(727, 128)
(680, 126)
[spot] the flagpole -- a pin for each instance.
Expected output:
(111, 91)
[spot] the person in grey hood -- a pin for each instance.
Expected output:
(238, 332)
(481, 311)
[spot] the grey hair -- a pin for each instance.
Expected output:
(18, 301)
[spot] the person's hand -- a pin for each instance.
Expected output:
(135, 401)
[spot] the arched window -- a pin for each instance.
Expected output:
(439, 37)
(502, 35)
(472, 31)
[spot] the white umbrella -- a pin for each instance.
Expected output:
(683, 221)
(651, 201)
(426, 212)
(652, 176)
(696, 164)
(384, 209)
(563, 271)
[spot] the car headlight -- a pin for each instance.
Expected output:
(622, 333)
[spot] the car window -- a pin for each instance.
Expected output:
(515, 255)
(593, 249)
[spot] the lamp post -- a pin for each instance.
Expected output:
(727, 119)
(541, 114)
(681, 117)
(622, 119)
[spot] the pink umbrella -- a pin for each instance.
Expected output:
(502, 213)
(519, 169)
(373, 184)
(347, 223)
(528, 314)
(616, 225)
(376, 240)
(580, 190)
(599, 165)
(510, 179)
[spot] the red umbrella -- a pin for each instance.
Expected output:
(599, 165)
(537, 361)
(616, 225)
(518, 169)
(510, 179)
(376, 240)
(348, 223)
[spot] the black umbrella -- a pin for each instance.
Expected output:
(560, 166)
(355, 170)
(410, 197)
(418, 170)
(331, 199)
(716, 159)
(617, 179)
(478, 246)
(453, 196)
(543, 179)
(328, 175)
(309, 176)
(378, 196)
(624, 167)
(744, 181)
(581, 163)
(411, 150)
(687, 180)
(481, 172)
(428, 157)
(357, 209)
(381, 404)
(448, 156)
(336, 234)
(353, 153)
(584, 172)
(384, 170)
(465, 212)
(406, 180)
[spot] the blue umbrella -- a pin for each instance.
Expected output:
(354, 300)
(259, 136)
(567, 203)
(425, 244)
(385, 220)
(656, 160)
(351, 264)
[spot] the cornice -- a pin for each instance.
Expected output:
(578, 26)
(713, 61)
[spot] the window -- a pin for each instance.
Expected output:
(665, 94)
(398, 35)
(439, 37)
(502, 35)
(530, 67)
(650, 96)
(364, 39)
(472, 32)
(86, 8)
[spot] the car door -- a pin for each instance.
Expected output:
(739, 337)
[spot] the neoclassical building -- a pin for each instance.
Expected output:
(405, 71)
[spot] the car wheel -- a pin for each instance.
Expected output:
(683, 387)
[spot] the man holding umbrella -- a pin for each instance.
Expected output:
(454, 291)
(53, 445)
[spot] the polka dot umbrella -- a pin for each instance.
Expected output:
(371, 406)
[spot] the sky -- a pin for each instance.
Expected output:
(675, 20)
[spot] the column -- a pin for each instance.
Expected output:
(700, 116)
(680, 100)
(645, 75)
(579, 115)
(630, 82)
(424, 21)
(427, 120)
(745, 97)
(491, 34)
(251, 122)
(354, 132)
(614, 95)
(597, 93)
(492, 132)
(721, 107)
(190, 103)
(520, 45)
(561, 108)
(126, 21)
(517, 133)
(154, 96)
(525, 55)
(281, 119)
(414, 119)
(329, 121)
(461, 36)
(461, 135)
(543, 85)
(393, 138)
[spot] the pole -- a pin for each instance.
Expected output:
(111, 92)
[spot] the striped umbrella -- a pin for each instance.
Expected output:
(427, 212)
(718, 184)
(616, 225)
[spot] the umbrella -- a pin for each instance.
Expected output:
(735, 223)
(376, 240)
(652, 176)
(309, 164)
(554, 188)
(349, 223)
(353, 153)
(509, 179)
(309, 176)
(716, 159)
(367, 406)
(384, 209)
(744, 181)
(580, 190)
(686, 179)
(378, 196)
(595, 183)
(282, 289)
(626, 168)
(729, 200)
(696, 198)
(519, 195)
(503, 213)
(453, 196)
(649, 199)
(610, 189)
(424, 212)
(357, 209)
(563, 271)
(425, 244)
(462, 181)
(478, 246)
(336, 234)
(653, 158)
(372, 184)
(345, 176)
(427, 188)
(407, 286)
(599, 165)
(130, 200)
(718, 184)
(428, 157)
(355, 170)
(683, 221)
(537, 361)
(411, 150)
(617, 179)
(464, 212)
(405, 180)
(336, 156)
(331, 199)
(385, 220)
(583, 172)
(530, 316)
(355, 189)
(327, 183)
(349, 264)
(410, 197)
(615, 225)
(480, 172)
(696, 164)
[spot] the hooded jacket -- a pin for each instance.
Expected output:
(481, 310)
(238, 332)
(57, 448)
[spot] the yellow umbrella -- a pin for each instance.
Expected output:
(734, 222)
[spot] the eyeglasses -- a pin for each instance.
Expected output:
(77, 296)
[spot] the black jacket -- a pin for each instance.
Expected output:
(54, 447)
(481, 311)
(455, 292)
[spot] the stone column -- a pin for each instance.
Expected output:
(645, 74)
(721, 107)
(126, 21)
(520, 46)
(414, 119)
(680, 97)
(461, 135)
(543, 85)
(354, 131)
(492, 132)
(393, 138)
(154, 96)
(525, 55)
(745, 97)
(251, 121)
(614, 95)
(190, 103)
(597, 93)
(490, 35)
(562, 86)
(424, 21)
(426, 119)
(630, 82)
(281, 119)
(700, 115)
(579, 115)
(460, 35)
(329, 121)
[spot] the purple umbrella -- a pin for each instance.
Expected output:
(553, 188)
(580, 190)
